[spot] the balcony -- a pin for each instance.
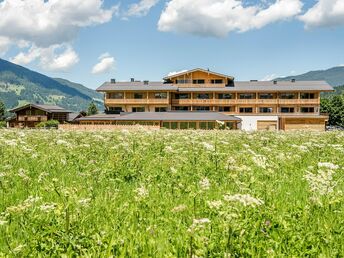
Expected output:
(32, 118)
(299, 101)
(136, 101)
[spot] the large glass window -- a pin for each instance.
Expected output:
(161, 109)
(307, 95)
(307, 109)
(266, 110)
(182, 96)
(138, 109)
(199, 81)
(192, 125)
(225, 96)
(183, 125)
(174, 125)
(246, 110)
(116, 95)
(287, 110)
(160, 95)
(288, 96)
(201, 108)
(247, 96)
(211, 125)
(183, 81)
(115, 109)
(266, 96)
(203, 125)
(166, 125)
(138, 95)
(182, 108)
(225, 109)
(216, 81)
(203, 96)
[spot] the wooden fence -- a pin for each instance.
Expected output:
(80, 127)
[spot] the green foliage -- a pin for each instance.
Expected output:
(48, 124)
(3, 124)
(2, 110)
(92, 109)
(171, 194)
(334, 106)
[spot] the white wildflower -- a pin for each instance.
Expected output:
(215, 205)
(260, 161)
(198, 224)
(208, 146)
(179, 208)
(204, 184)
(48, 207)
(141, 192)
(61, 142)
(84, 202)
(328, 165)
(245, 199)
(18, 249)
(3, 222)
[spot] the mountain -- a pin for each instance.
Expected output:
(334, 76)
(19, 85)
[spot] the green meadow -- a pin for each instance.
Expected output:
(171, 194)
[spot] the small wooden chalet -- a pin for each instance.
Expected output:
(32, 114)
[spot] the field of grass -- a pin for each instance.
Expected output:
(171, 194)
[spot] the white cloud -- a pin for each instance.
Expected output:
(56, 58)
(45, 26)
(176, 72)
(269, 77)
(219, 17)
(141, 8)
(4, 45)
(324, 13)
(106, 64)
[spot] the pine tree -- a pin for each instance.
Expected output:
(2, 110)
(92, 109)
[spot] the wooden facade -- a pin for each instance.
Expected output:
(29, 116)
(202, 90)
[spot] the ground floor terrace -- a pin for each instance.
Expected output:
(168, 120)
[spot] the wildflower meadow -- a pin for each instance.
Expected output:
(171, 194)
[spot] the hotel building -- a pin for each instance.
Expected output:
(202, 99)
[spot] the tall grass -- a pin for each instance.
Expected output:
(171, 194)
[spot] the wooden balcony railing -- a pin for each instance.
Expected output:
(32, 118)
(136, 101)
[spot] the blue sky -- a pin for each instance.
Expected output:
(142, 45)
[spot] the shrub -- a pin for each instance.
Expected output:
(48, 124)
(2, 124)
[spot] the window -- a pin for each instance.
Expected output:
(247, 96)
(166, 125)
(287, 110)
(203, 125)
(307, 96)
(217, 81)
(115, 109)
(198, 81)
(183, 125)
(174, 125)
(202, 108)
(116, 95)
(182, 96)
(203, 96)
(307, 109)
(192, 125)
(183, 81)
(225, 96)
(230, 125)
(211, 125)
(224, 109)
(160, 95)
(287, 96)
(161, 109)
(265, 110)
(266, 96)
(138, 95)
(246, 110)
(182, 108)
(138, 109)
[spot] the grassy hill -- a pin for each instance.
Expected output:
(334, 76)
(19, 85)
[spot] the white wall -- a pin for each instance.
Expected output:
(249, 123)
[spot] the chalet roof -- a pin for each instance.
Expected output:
(136, 86)
(72, 116)
(195, 70)
(162, 116)
(46, 108)
(239, 86)
(266, 86)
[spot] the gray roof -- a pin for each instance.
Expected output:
(162, 116)
(72, 116)
(46, 108)
(136, 86)
(239, 86)
(197, 69)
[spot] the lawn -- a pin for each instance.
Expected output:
(171, 194)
